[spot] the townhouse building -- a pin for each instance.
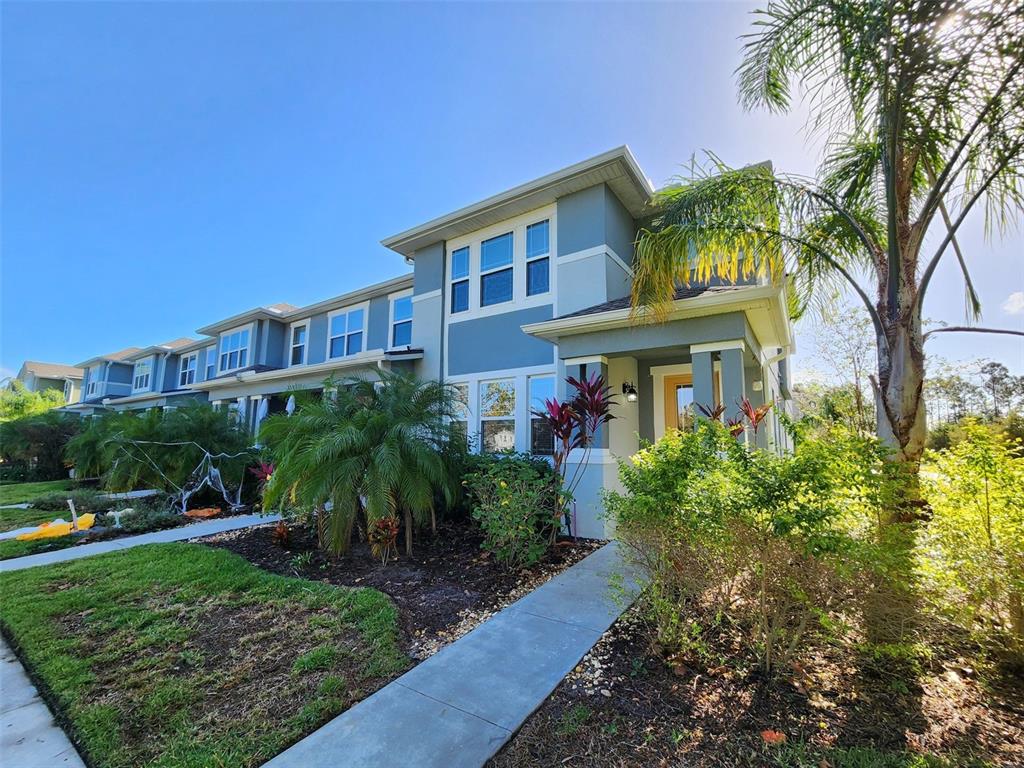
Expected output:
(506, 298)
(37, 376)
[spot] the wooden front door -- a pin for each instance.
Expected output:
(680, 410)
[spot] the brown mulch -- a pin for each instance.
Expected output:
(626, 705)
(448, 586)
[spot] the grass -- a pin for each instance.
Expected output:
(21, 493)
(23, 518)
(182, 655)
(10, 548)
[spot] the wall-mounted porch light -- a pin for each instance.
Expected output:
(630, 392)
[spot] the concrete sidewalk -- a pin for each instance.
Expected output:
(29, 737)
(205, 528)
(460, 706)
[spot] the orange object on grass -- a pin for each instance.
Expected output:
(203, 513)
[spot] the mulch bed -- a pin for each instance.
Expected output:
(448, 586)
(625, 705)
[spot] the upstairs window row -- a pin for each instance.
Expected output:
(234, 350)
(497, 267)
(140, 374)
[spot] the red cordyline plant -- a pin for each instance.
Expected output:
(749, 414)
(574, 424)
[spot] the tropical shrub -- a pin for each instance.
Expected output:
(35, 444)
(363, 449)
(513, 496)
(972, 550)
(770, 543)
(166, 450)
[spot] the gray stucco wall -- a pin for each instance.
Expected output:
(496, 343)
(316, 339)
(273, 338)
(120, 373)
(581, 220)
(428, 270)
(172, 365)
(619, 227)
(377, 323)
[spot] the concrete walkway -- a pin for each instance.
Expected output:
(460, 706)
(29, 737)
(205, 528)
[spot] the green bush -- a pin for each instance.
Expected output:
(513, 498)
(86, 500)
(35, 444)
(972, 551)
(771, 543)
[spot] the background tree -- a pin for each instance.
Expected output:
(35, 444)
(921, 107)
(17, 402)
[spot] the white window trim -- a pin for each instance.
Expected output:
(517, 225)
(292, 344)
(251, 327)
(365, 306)
(521, 376)
(149, 374)
(392, 298)
(183, 367)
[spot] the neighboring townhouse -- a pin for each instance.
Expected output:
(516, 292)
(104, 376)
(38, 376)
(161, 376)
(260, 357)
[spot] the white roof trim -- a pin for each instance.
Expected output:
(525, 197)
(371, 357)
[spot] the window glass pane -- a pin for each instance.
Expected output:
(498, 435)
(338, 346)
(496, 288)
(297, 354)
(496, 252)
(242, 358)
(402, 335)
(461, 401)
(403, 308)
(498, 398)
(355, 320)
(536, 277)
(541, 388)
(299, 335)
(355, 343)
(542, 438)
(460, 296)
(537, 239)
(244, 340)
(337, 325)
(684, 407)
(460, 263)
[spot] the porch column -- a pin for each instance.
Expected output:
(703, 380)
(734, 387)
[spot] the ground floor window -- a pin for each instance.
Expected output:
(495, 412)
(498, 415)
(542, 439)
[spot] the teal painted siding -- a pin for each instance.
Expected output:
(496, 343)
(428, 274)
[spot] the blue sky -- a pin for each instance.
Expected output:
(165, 165)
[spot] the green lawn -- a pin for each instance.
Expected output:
(13, 548)
(181, 655)
(21, 518)
(20, 493)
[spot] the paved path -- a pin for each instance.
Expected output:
(29, 737)
(204, 528)
(460, 706)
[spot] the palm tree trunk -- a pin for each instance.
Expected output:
(407, 514)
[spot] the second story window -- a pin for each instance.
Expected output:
(211, 362)
(401, 321)
(298, 346)
(537, 259)
(234, 350)
(460, 280)
(140, 375)
(68, 387)
(93, 374)
(346, 330)
(496, 278)
(187, 369)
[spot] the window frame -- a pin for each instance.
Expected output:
(207, 365)
(225, 355)
(509, 267)
(184, 369)
(393, 299)
(537, 257)
(147, 377)
(463, 279)
(365, 307)
(304, 324)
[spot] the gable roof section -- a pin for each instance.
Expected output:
(617, 168)
(51, 370)
(114, 357)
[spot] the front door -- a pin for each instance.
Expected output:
(679, 405)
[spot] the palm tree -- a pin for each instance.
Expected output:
(921, 106)
(379, 448)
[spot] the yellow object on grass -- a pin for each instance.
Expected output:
(57, 528)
